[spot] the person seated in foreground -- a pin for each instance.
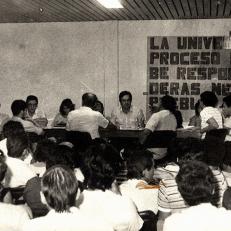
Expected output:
(162, 120)
(34, 114)
(195, 183)
(126, 116)
(102, 198)
(18, 108)
(140, 167)
(211, 117)
(12, 216)
(19, 171)
(10, 128)
(64, 109)
(196, 119)
(59, 190)
(85, 119)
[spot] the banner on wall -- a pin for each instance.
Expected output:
(184, 67)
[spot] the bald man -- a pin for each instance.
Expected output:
(85, 119)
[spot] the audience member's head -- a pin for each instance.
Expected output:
(59, 187)
(125, 98)
(168, 103)
(208, 99)
(182, 149)
(31, 103)
(226, 202)
(18, 107)
(3, 169)
(99, 107)
(227, 105)
(66, 106)
(17, 145)
(197, 108)
(195, 182)
(12, 128)
(89, 100)
(140, 165)
(100, 166)
(44, 150)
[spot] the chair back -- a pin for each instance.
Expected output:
(80, 140)
(160, 139)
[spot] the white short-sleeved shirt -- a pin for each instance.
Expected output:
(144, 199)
(66, 221)
(119, 211)
(209, 112)
(18, 173)
(85, 119)
(39, 113)
(13, 217)
(202, 217)
(162, 120)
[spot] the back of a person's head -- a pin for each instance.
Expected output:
(59, 186)
(182, 149)
(99, 166)
(44, 150)
(138, 162)
(16, 145)
(30, 98)
(168, 103)
(62, 155)
(17, 106)
(226, 202)
(209, 98)
(89, 100)
(195, 182)
(3, 168)
(123, 93)
(12, 128)
(227, 100)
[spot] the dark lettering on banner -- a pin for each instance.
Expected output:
(185, 66)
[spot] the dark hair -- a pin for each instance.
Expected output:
(184, 149)
(195, 182)
(59, 186)
(100, 166)
(30, 98)
(138, 162)
(227, 100)
(197, 105)
(62, 155)
(209, 98)
(89, 100)
(179, 118)
(226, 202)
(44, 150)
(123, 93)
(17, 106)
(98, 106)
(168, 103)
(16, 145)
(12, 128)
(66, 103)
(3, 169)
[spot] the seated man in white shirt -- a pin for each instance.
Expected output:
(84, 119)
(34, 113)
(59, 190)
(127, 116)
(18, 108)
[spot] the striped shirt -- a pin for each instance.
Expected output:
(170, 199)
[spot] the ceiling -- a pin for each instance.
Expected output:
(26, 11)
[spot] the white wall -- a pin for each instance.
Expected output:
(59, 60)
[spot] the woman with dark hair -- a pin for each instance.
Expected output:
(60, 119)
(102, 198)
